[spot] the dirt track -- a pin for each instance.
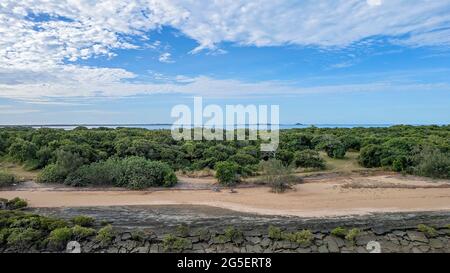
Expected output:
(334, 197)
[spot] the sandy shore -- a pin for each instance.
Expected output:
(314, 199)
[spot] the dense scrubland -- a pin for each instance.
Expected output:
(140, 158)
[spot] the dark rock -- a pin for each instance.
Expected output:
(126, 236)
(254, 249)
(323, 249)
(265, 242)
(436, 243)
(332, 244)
(417, 236)
(253, 240)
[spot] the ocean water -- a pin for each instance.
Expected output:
(169, 126)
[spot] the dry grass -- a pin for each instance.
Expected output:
(18, 171)
(196, 174)
(348, 164)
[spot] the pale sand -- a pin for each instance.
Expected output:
(313, 199)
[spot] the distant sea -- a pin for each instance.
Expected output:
(169, 126)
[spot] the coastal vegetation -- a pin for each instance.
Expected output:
(140, 158)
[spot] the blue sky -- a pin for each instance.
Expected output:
(343, 62)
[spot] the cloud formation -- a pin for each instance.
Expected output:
(40, 39)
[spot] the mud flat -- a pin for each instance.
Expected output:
(166, 218)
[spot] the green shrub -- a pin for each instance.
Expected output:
(308, 159)
(173, 243)
(16, 203)
(233, 235)
(339, 232)
(275, 233)
(351, 142)
(4, 233)
(139, 173)
(227, 172)
(183, 230)
(84, 221)
(6, 179)
(59, 237)
(243, 159)
(23, 237)
(277, 175)
(132, 172)
(105, 235)
(370, 156)
(285, 156)
(433, 163)
(50, 224)
(138, 235)
(303, 237)
(352, 234)
(427, 230)
(80, 232)
(99, 173)
(335, 150)
(399, 164)
(51, 174)
(22, 150)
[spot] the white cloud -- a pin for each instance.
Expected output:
(374, 2)
(40, 38)
(165, 58)
(68, 30)
(77, 85)
(10, 110)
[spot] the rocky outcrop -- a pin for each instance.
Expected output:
(188, 229)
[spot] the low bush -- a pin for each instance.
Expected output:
(139, 173)
(243, 159)
(277, 175)
(227, 173)
(51, 174)
(16, 203)
(339, 232)
(335, 150)
(303, 237)
(275, 233)
(173, 243)
(286, 156)
(138, 235)
(84, 221)
(105, 235)
(98, 173)
(4, 233)
(233, 235)
(352, 234)
(59, 237)
(433, 163)
(183, 230)
(49, 223)
(370, 156)
(427, 230)
(80, 232)
(132, 172)
(6, 179)
(309, 159)
(23, 237)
